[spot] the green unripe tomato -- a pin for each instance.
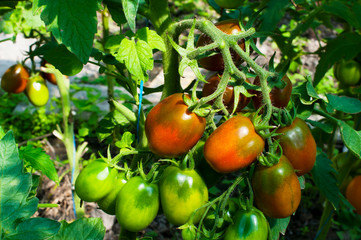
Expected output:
(348, 72)
(229, 4)
(181, 193)
(137, 204)
(95, 181)
(107, 204)
(248, 224)
(37, 91)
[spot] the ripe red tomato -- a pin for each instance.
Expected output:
(181, 193)
(48, 76)
(277, 191)
(215, 62)
(172, 130)
(353, 193)
(298, 146)
(279, 97)
(228, 96)
(233, 145)
(15, 79)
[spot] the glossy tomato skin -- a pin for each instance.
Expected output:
(95, 181)
(277, 191)
(15, 79)
(248, 224)
(298, 146)
(228, 96)
(348, 72)
(215, 62)
(279, 96)
(181, 193)
(229, 4)
(233, 145)
(48, 76)
(37, 91)
(137, 204)
(171, 129)
(107, 203)
(353, 193)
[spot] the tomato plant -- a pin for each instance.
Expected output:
(181, 193)
(215, 62)
(229, 4)
(137, 204)
(107, 203)
(95, 181)
(353, 193)
(279, 96)
(242, 148)
(228, 95)
(348, 72)
(15, 79)
(298, 146)
(248, 224)
(37, 91)
(171, 128)
(277, 191)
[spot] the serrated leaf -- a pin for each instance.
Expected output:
(15, 207)
(342, 47)
(152, 38)
(277, 226)
(325, 178)
(137, 57)
(274, 12)
(306, 92)
(126, 141)
(344, 104)
(81, 229)
(351, 138)
(73, 23)
(130, 8)
(342, 10)
(113, 42)
(40, 161)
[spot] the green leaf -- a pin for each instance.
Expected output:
(326, 127)
(15, 207)
(81, 229)
(73, 23)
(130, 8)
(113, 43)
(351, 138)
(273, 14)
(350, 14)
(344, 104)
(35, 229)
(152, 38)
(277, 226)
(2, 133)
(137, 57)
(306, 92)
(325, 178)
(126, 141)
(40, 161)
(341, 47)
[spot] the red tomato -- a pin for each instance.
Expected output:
(15, 79)
(228, 96)
(172, 130)
(233, 145)
(279, 97)
(277, 191)
(353, 193)
(215, 62)
(298, 146)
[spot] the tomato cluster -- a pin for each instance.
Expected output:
(17, 79)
